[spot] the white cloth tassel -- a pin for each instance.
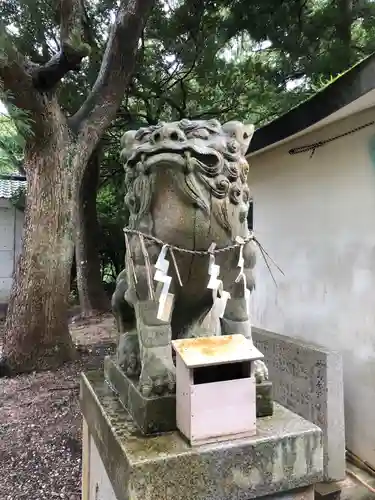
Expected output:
(175, 266)
(130, 258)
(166, 298)
(241, 261)
(241, 274)
(151, 292)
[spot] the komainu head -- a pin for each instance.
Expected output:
(207, 160)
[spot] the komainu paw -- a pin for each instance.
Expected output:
(128, 354)
(156, 378)
(261, 371)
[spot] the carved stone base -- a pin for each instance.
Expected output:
(264, 399)
(158, 414)
(152, 415)
(282, 462)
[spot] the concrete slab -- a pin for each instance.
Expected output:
(353, 487)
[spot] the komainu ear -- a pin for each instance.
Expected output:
(127, 143)
(242, 132)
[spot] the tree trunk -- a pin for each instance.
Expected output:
(36, 329)
(73, 273)
(92, 296)
(344, 18)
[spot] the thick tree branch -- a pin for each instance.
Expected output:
(138, 119)
(72, 49)
(118, 63)
(211, 113)
(184, 95)
(15, 77)
(180, 110)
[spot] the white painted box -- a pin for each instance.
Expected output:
(215, 388)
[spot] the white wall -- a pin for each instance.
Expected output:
(316, 218)
(11, 226)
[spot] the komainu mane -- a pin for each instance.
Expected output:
(186, 190)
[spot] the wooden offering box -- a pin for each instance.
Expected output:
(215, 388)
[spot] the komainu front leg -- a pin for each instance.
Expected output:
(236, 320)
(157, 371)
(157, 368)
(261, 371)
(122, 311)
(127, 338)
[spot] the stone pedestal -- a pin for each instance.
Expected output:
(152, 415)
(283, 461)
(158, 414)
(264, 400)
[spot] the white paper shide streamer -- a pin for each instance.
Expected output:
(216, 285)
(161, 275)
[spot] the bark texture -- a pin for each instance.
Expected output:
(36, 330)
(92, 296)
(57, 153)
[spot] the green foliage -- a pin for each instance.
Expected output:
(11, 145)
(19, 199)
(310, 38)
(11, 153)
(112, 218)
(195, 70)
(225, 58)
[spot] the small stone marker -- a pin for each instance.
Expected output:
(215, 388)
(308, 380)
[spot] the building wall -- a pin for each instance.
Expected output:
(315, 216)
(11, 225)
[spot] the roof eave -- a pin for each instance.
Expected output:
(350, 86)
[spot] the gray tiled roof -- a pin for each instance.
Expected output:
(8, 187)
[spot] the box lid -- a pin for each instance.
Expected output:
(216, 350)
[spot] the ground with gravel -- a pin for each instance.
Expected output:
(40, 426)
(40, 422)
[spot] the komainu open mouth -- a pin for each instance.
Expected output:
(179, 153)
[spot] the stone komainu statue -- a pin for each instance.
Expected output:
(187, 187)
